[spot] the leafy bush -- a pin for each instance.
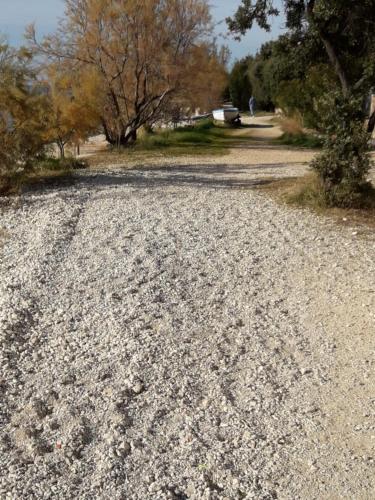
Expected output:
(345, 162)
(240, 88)
(300, 97)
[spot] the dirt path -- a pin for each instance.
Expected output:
(260, 152)
(171, 333)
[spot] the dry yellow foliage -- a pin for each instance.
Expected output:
(143, 54)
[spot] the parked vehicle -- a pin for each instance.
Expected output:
(227, 115)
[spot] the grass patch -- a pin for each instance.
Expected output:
(294, 134)
(258, 114)
(205, 138)
(195, 138)
(309, 192)
(59, 164)
(306, 192)
(43, 172)
(301, 140)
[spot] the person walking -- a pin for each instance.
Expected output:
(252, 104)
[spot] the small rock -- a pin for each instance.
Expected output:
(138, 387)
(124, 448)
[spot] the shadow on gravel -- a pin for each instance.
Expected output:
(264, 143)
(211, 169)
(212, 176)
(256, 125)
(44, 184)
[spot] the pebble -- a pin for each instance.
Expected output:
(138, 388)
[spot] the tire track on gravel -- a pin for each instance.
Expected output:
(19, 331)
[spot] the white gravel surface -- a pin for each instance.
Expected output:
(174, 334)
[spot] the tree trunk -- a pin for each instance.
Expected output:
(132, 136)
(371, 123)
(107, 134)
(331, 51)
(118, 137)
(336, 64)
(61, 147)
(128, 139)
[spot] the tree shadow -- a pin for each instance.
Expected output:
(256, 125)
(219, 176)
(205, 176)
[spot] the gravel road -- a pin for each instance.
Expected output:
(172, 333)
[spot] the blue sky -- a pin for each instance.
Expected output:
(16, 14)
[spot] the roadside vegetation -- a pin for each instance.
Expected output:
(322, 70)
(43, 171)
(100, 73)
(302, 140)
(306, 192)
(112, 67)
(202, 138)
(196, 138)
(295, 134)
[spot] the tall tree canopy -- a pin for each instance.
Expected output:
(240, 88)
(280, 76)
(345, 31)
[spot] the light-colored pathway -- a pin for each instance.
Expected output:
(167, 334)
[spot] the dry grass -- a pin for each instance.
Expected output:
(294, 133)
(302, 192)
(292, 125)
(46, 177)
(9, 185)
(13, 185)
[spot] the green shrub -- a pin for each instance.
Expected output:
(200, 133)
(206, 124)
(345, 161)
(195, 137)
